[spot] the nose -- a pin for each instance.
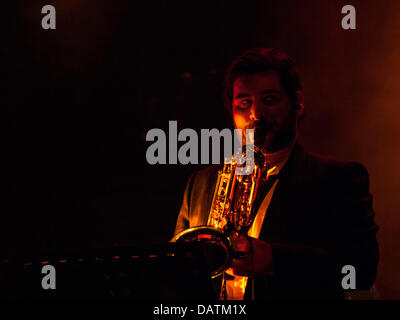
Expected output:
(256, 111)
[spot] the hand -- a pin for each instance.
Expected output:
(257, 257)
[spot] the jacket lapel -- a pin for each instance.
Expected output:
(282, 202)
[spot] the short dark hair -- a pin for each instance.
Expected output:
(261, 60)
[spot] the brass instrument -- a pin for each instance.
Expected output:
(234, 206)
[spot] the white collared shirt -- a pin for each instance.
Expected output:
(236, 288)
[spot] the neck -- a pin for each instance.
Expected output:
(277, 159)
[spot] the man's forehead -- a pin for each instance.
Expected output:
(258, 82)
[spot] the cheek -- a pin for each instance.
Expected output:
(240, 120)
(284, 114)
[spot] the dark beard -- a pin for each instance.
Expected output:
(260, 128)
(278, 140)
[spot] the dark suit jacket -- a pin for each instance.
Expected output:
(320, 219)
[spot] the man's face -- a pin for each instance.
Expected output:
(259, 102)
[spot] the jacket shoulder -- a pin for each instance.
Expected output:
(203, 180)
(207, 172)
(338, 170)
(331, 164)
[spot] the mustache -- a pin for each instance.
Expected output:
(260, 127)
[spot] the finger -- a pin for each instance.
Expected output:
(239, 255)
(242, 244)
(241, 267)
(240, 271)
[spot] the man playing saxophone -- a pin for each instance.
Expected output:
(314, 218)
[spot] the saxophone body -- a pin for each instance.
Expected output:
(234, 205)
(236, 196)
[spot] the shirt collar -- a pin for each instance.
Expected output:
(279, 158)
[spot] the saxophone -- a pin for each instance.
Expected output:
(234, 206)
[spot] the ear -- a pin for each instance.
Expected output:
(299, 103)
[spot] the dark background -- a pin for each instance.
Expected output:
(77, 102)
